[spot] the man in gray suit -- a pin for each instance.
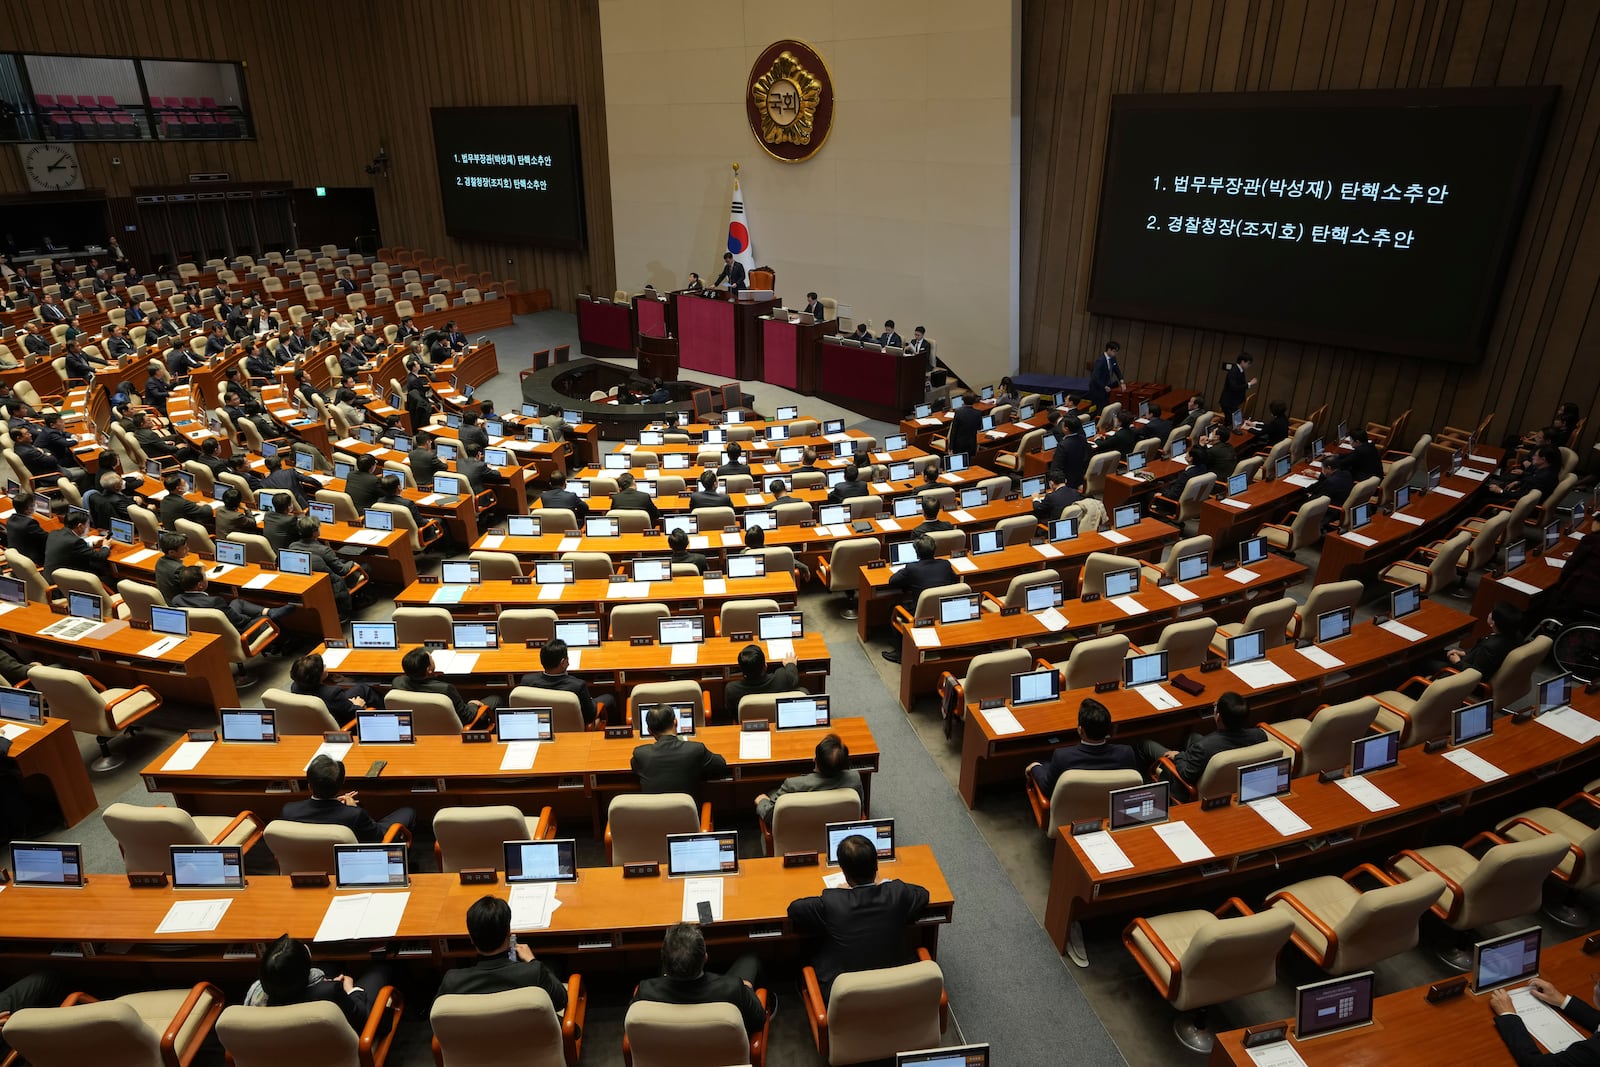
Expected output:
(832, 771)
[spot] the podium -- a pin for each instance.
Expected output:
(604, 328)
(790, 352)
(720, 337)
(870, 381)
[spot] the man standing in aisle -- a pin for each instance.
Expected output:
(1105, 376)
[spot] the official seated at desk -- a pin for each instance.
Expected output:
(553, 661)
(497, 969)
(1514, 1032)
(923, 573)
(287, 977)
(685, 980)
(327, 806)
(309, 678)
(1094, 751)
(23, 532)
(678, 542)
(755, 678)
(669, 764)
(852, 486)
(557, 496)
(831, 770)
(1491, 650)
(67, 547)
(1232, 716)
(707, 495)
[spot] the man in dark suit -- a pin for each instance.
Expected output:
(931, 522)
(420, 678)
(494, 971)
(1047, 506)
(1236, 385)
(342, 572)
(808, 461)
(66, 546)
(1491, 650)
(889, 336)
(755, 678)
(559, 496)
(241, 613)
(216, 342)
(814, 308)
(1342, 472)
(472, 431)
(1125, 436)
(479, 475)
(278, 523)
(327, 806)
(678, 542)
(35, 341)
(1514, 1032)
(554, 674)
(425, 463)
(364, 487)
(1155, 426)
(632, 499)
(110, 501)
(736, 463)
(732, 272)
(51, 310)
(1105, 375)
(281, 475)
(175, 505)
(1233, 731)
(851, 486)
(685, 980)
(863, 926)
(830, 770)
(669, 764)
(1093, 752)
(964, 427)
(781, 495)
(923, 573)
(707, 495)
(1541, 475)
(23, 531)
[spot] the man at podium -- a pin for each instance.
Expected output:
(733, 271)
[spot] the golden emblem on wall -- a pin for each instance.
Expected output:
(789, 101)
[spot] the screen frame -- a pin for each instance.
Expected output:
(1299, 1004)
(511, 114)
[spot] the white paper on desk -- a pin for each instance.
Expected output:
(347, 442)
(334, 750)
(1157, 696)
(569, 544)
(1520, 586)
(1410, 520)
(685, 655)
(1102, 850)
(1278, 816)
(928, 421)
(1235, 502)
(342, 921)
(429, 500)
(1557, 562)
(963, 565)
(187, 757)
(1447, 491)
(532, 905)
(1547, 1026)
(628, 590)
(448, 594)
(755, 745)
(1048, 551)
(882, 487)
(697, 889)
(1363, 792)
(519, 755)
(162, 647)
(1401, 630)
(754, 500)
(1261, 673)
(1116, 537)
(1485, 460)
(716, 586)
(260, 581)
(925, 636)
(8, 607)
(771, 468)
(333, 657)
(889, 525)
(193, 916)
(458, 662)
(1569, 722)
(836, 437)
(574, 659)
(1321, 657)
(494, 540)
(961, 515)
(836, 880)
(1052, 620)
(1179, 592)
(550, 592)
(139, 556)
(949, 477)
(1304, 481)
(12, 731)
(1242, 575)
(732, 540)
(369, 537)
(1475, 765)
(1128, 605)
(1001, 721)
(1361, 539)
(1277, 1054)
(995, 433)
(780, 649)
(1183, 841)
(1471, 472)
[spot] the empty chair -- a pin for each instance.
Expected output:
(555, 520)
(1342, 929)
(763, 707)
(1435, 569)
(636, 620)
(156, 1028)
(799, 820)
(1322, 742)
(566, 711)
(308, 847)
(310, 1035)
(1098, 565)
(1168, 568)
(1078, 795)
(1330, 596)
(1017, 530)
(1513, 682)
(988, 677)
(1017, 590)
(1574, 872)
(91, 708)
(1186, 643)
(1096, 660)
(521, 625)
(140, 598)
(432, 714)
(1304, 529)
(871, 1015)
(630, 520)
(144, 833)
(739, 616)
(513, 1028)
(841, 571)
(414, 626)
(637, 825)
(1101, 466)
(1198, 959)
(589, 566)
(473, 836)
(497, 566)
(1420, 709)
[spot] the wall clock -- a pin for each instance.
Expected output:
(51, 168)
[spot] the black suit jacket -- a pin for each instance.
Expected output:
(279, 529)
(26, 536)
(702, 499)
(923, 574)
(708, 988)
(670, 764)
(636, 500)
(1157, 428)
(1072, 458)
(1234, 388)
(1083, 757)
(1048, 507)
(1489, 653)
(1191, 762)
(964, 426)
(498, 974)
(363, 489)
(175, 507)
(63, 548)
(565, 498)
(863, 928)
(845, 490)
(1586, 1053)
(368, 830)
(424, 465)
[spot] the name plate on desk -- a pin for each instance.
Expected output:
(147, 880)
(742, 635)
(435, 646)
(202, 735)
(991, 703)
(641, 870)
(1210, 665)
(522, 579)
(641, 642)
(1015, 609)
(755, 726)
(428, 580)
(479, 876)
(800, 859)
(476, 737)
(308, 879)
(1265, 1035)
(1207, 803)
(1448, 989)
(337, 737)
(877, 564)
(1089, 826)
(619, 733)
(1106, 687)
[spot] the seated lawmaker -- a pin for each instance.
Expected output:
(1093, 752)
(309, 677)
(830, 770)
(685, 980)
(498, 969)
(1514, 1032)
(554, 658)
(1233, 731)
(678, 542)
(287, 977)
(328, 806)
(755, 678)
(419, 677)
(669, 764)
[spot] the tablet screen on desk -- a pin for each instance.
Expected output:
(541, 861)
(384, 727)
(1505, 960)
(700, 854)
(973, 498)
(1238, 483)
(1033, 687)
(578, 633)
(379, 635)
(22, 705)
(833, 514)
(1123, 582)
(524, 724)
(1247, 647)
(1332, 625)
(801, 713)
(906, 507)
(1042, 597)
(84, 605)
(1374, 752)
(1139, 805)
(683, 710)
(1331, 1006)
(681, 630)
(689, 524)
(293, 561)
(1269, 778)
(652, 570)
(1193, 566)
(122, 531)
(1063, 529)
(460, 572)
(745, 565)
(779, 625)
(173, 621)
(1136, 462)
(983, 543)
(41, 863)
(320, 511)
(1556, 693)
(370, 866)
(558, 572)
(1252, 550)
(523, 526)
(880, 832)
(248, 726)
(230, 553)
(1150, 669)
(1033, 486)
(448, 452)
(377, 519)
(207, 867)
(475, 635)
(1471, 722)
(1360, 515)
(963, 607)
(1403, 602)
(767, 520)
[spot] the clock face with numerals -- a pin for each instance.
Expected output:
(51, 168)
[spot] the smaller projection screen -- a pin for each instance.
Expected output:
(511, 175)
(1379, 220)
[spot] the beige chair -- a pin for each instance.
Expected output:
(590, 566)
(1017, 530)
(91, 708)
(1397, 474)
(1575, 871)
(24, 569)
(473, 836)
(157, 1028)
(1186, 643)
(988, 677)
(1513, 682)
(240, 648)
(630, 520)
(140, 598)
(637, 825)
(555, 520)
(669, 1035)
(1506, 882)
(763, 707)
(297, 715)
(799, 820)
(1420, 709)
(680, 691)
(199, 539)
(1168, 567)
(739, 616)
(1096, 660)
(635, 620)
(1221, 776)
(566, 713)
(1436, 569)
(432, 714)
(841, 571)
(144, 834)
(70, 581)
(514, 1028)
(1190, 502)
(1017, 590)
(413, 626)
(310, 1035)
(1342, 929)
(1096, 567)
(1077, 796)
(1198, 959)
(1304, 529)
(521, 625)
(871, 1015)
(1322, 742)
(1330, 596)
(1102, 466)
(344, 508)
(1360, 493)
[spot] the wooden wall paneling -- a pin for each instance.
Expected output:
(1542, 347)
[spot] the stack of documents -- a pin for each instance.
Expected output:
(363, 917)
(533, 905)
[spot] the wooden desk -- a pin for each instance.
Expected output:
(313, 592)
(685, 596)
(578, 774)
(1539, 573)
(1216, 597)
(1425, 787)
(1267, 502)
(1344, 556)
(611, 923)
(1371, 655)
(51, 751)
(789, 352)
(876, 384)
(605, 329)
(1121, 488)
